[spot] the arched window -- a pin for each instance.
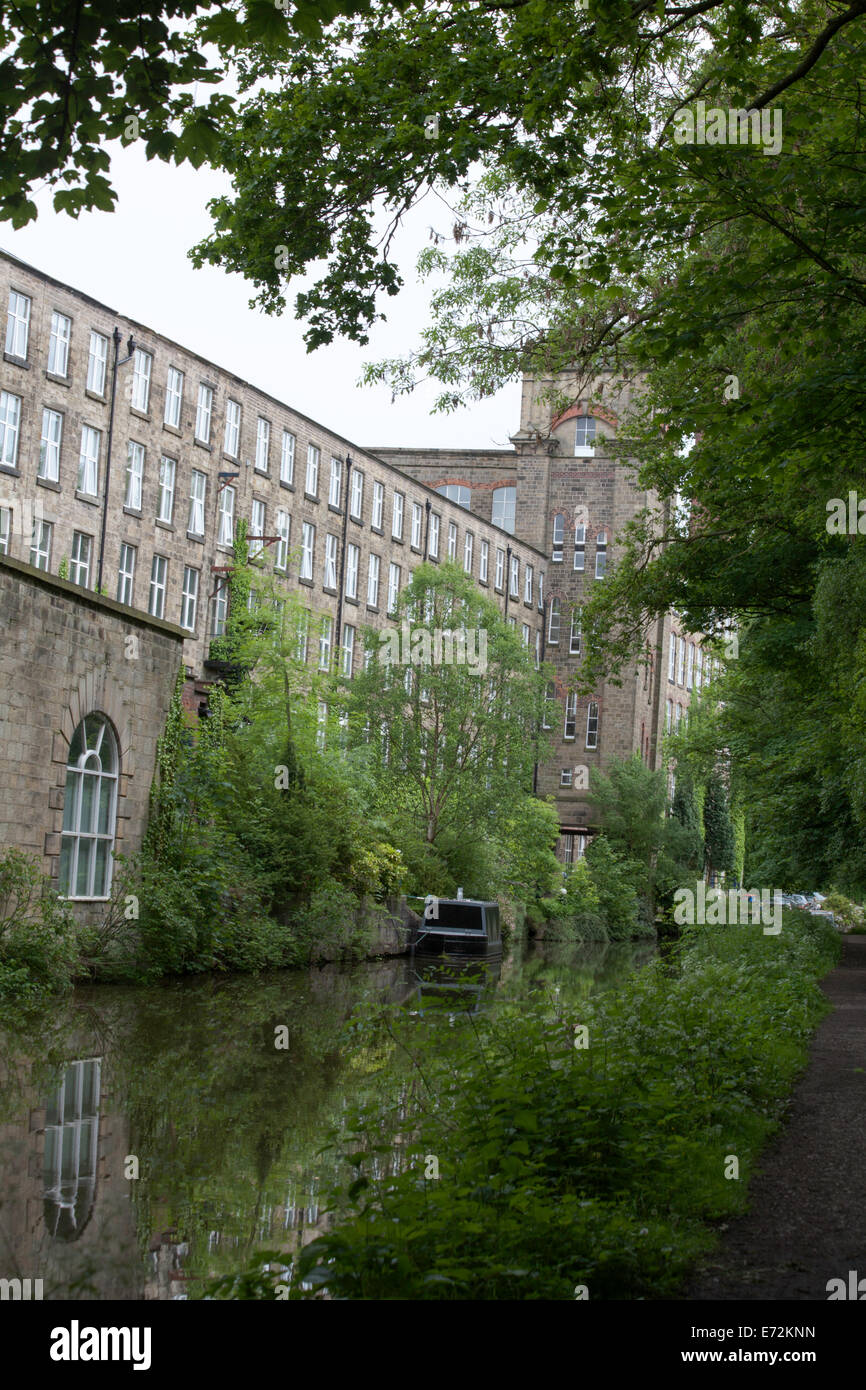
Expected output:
(70, 1157)
(89, 810)
(558, 536)
(505, 508)
(601, 555)
(456, 492)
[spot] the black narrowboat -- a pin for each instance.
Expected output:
(458, 926)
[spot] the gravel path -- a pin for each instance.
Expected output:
(807, 1217)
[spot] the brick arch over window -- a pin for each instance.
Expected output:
(598, 412)
(96, 693)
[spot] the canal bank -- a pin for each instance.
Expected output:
(153, 1137)
(806, 1223)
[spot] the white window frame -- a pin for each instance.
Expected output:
(311, 481)
(547, 705)
(601, 555)
(433, 538)
(353, 562)
(142, 368)
(514, 582)
(173, 397)
(393, 586)
(284, 530)
(452, 540)
(88, 461)
(167, 476)
(226, 517)
(553, 627)
(232, 430)
(592, 725)
(356, 495)
(189, 598)
(347, 653)
(417, 525)
(97, 362)
(468, 545)
(484, 562)
(126, 573)
(287, 458)
(570, 725)
(331, 546)
(204, 413)
(308, 550)
(134, 475)
(565, 776)
(335, 484)
(504, 505)
(558, 538)
(80, 558)
(196, 519)
(378, 505)
(681, 662)
(258, 520)
(500, 569)
(398, 507)
(528, 575)
(50, 443)
(580, 549)
(89, 764)
(373, 568)
(59, 339)
(158, 586)
(18, 325)
(10, 428)
(40, 544)
(220, 606)
(263, 444)
(584, 430)
(574, 638)
(326, 635)
(5, 529)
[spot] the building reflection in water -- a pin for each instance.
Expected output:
(71, 1150)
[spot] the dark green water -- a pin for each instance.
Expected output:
(153, 1137)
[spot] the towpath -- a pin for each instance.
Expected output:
(807, 1218)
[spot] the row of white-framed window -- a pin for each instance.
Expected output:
(579, 563)
(570, 724)
(689, 665)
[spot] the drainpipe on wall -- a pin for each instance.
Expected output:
(428, 505)
(507, 579)
(339, 624)
(118, 362)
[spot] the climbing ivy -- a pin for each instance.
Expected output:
(169, 751)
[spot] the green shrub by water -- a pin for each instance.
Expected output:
(37, 935)
(562, 1166)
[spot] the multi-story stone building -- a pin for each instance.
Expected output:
(126, 460)
(567, 487)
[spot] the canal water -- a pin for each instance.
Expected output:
(151, 1138)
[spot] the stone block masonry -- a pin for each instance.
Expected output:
(65, 654)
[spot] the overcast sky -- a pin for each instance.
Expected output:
(135, 260)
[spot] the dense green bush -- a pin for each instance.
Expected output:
(844, 910)
(38, 950)
(596, 1165)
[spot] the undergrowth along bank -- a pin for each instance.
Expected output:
(568, 1170)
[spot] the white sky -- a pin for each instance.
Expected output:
(135, 260)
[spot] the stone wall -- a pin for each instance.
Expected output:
(65, 653)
